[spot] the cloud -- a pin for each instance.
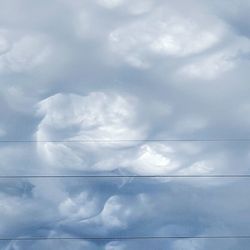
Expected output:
(188, 244)
(110, 3)
(117, 213)
(17, 99)
(4, 43)
(115, 245)
(124, 70)
(50, 245)
(163, 35)
(97, 116)
(21, 197)
(211, 66)
(80, 207)
(155, 159)
(25, 53)
(136, 7)
(2, 132)
(190, 124)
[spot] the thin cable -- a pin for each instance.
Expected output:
(128, 140)
(128, 238)
(122, 176)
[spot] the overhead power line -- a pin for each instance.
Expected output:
(130, 140)
(123, 176)
(128, 238)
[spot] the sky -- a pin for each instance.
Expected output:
(118, 77)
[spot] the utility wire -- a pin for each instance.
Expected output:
(128, 140)
(127, 238)
(122, 176)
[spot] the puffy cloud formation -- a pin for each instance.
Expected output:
(80, 207)
(115, 87)
(209, 68)
(171, 37)
(99, 123)
(216, 64)
(164, 34)
(118, 214)
(23, 54)
(96, 117)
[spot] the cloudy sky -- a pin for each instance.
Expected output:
(118, 77)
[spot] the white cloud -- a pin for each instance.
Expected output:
(80, 207)
(121, 211)
(213, 165)
(98, 116)
(13, 218)
(153, 159)
(213, 65)
(63, 156)
(115, 245)
(210, 67)
(146, 159)
(26, 53)
(182, 37)
(167, 35)
(163, 35)
(201, 167)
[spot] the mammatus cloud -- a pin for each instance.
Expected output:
(97, 116)
(146, 159)
(82, 206)
(117, 214)
(163, 35)
(124, 70)
(100, 117)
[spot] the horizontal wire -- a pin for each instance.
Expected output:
(128, 140)
(129, 238)
(122, 176)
